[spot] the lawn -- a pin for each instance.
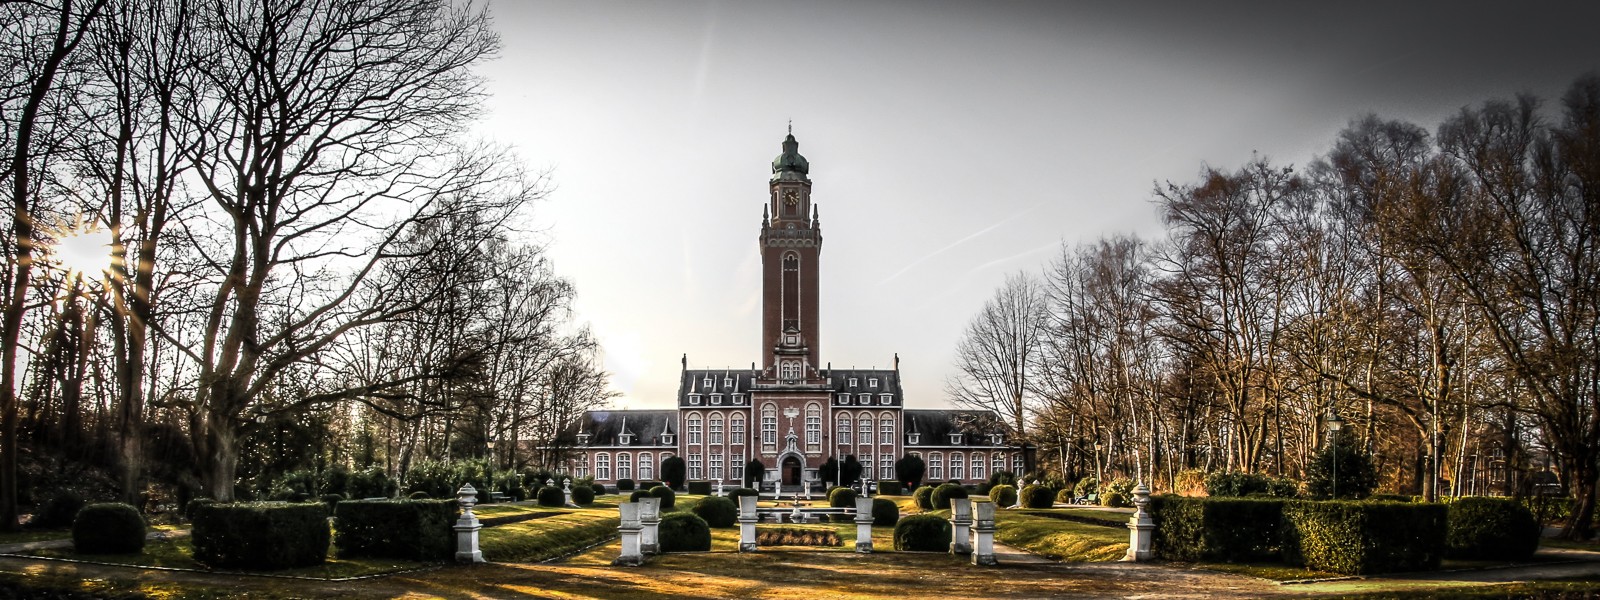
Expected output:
(179, 554)
(1064, 534)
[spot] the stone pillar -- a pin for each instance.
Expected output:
(960, 526)
(719, 487)
(864, 525)
(1140, 526)
(650, 522)
(566, 490)
(630, 528)
(467, 527)
(983, 554)
(747, 523)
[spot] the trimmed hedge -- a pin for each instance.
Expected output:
(922, 533)
(842, 498)
(599, 490)
(890, 488)
(552, 496)
(717, 511)
(582, 495)
(418, 495)
(885, 512)
(1248, 484)
(637, 494)
(404, 529)
(1364, 537)
(1491, 528)
(701, 488)
(946, 492)
(1217, 529)
(684, 532)
(1003, 495)
(744, 491)
(1037, 496)
(108, 528)
(260, 535)
(668, 498)
(923, 497)
(625, 485)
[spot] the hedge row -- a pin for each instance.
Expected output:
(1216, 529)
(404, 529)
(260, 535)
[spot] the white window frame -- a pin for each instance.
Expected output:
(886, 466)
(769, 427)
(935, 466)
(886, 430)
(693, 425)
(715, 428)
(602, 466)
(976, 467)
(846, 430)
(813, 426)
(736, 430)
(647, 468)
(958, 466)
(716, 466)
(695, 462)
(624, 465)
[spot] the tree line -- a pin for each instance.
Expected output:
(1436, 293)
(312, 262)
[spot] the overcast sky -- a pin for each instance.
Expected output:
(950, 143)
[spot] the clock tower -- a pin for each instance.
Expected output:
(791, 241)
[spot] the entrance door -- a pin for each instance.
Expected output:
(791, 471)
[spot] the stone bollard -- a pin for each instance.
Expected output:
(629, 529)
(983, 554)
(864, 525)
(467, 527)
(566, 490)
(960, 526)
(747, 523)
(650, 521)
(1140, 526)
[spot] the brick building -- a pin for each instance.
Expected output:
(793, 412)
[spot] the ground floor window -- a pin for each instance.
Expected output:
(956, 466)
(647, 468)
(716, 467)
(977, 467)
(624, 466)
(1016, 464)
(886, 466)
(935, 466)
(998, 462)
(602, 466)
(695, 467)
(736, 467)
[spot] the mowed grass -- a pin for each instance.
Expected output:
(179, 554)
(45, 535)
(1037, 532)
(552, 537)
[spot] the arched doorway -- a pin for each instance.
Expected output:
(791, 470)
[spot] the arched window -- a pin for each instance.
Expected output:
(769, 427)
(957, 464)
(935, 466)
(813, 428)
(694, 428)
(977, 467)
(716, 428)
(885, 429)
(736, 429)
(624, 465)
(602, 466)
(864, 430)
(843, 437)
(647, 468)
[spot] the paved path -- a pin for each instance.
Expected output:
(67, 542)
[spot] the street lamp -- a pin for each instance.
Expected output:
(1334, 424)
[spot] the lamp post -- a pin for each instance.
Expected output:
(1334, 424)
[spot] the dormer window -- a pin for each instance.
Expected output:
(885, 399)
(955, 438)
(916, 438)
(727, 382)
(708, 381)
(583, 438)
(866, 399)
(666, 439)
(738, 398)
(873, 382)
(853, 382)
(997, 439)
(625, 439)
(694, 399)
(716, 398)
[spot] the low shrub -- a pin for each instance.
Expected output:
(646, 485)
(108, 528)
(1003, 477)
(890, 488)
(552, 496)
(1003, 495)
(701, 488)
(842, 498)
(418, 495)
(188, 509)
(981, 489)
(1216, 529)
(717, 511)
(885, 512)
(684, 532)
(1037, 496)
(946, 492)
(625, 485)
(57, 511)
(260, 535)
(668, 498)
(1064, 496)
(1491, 528)
(923, 497)
(744, 491)
(582, 495)
(1086, 486)
(403, 529)
(1357, 538)
(797, 536)
(922, 533)
(599, 490)
(1118, 493)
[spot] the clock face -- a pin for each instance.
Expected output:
(790, 198)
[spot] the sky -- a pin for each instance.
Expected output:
(951, 143)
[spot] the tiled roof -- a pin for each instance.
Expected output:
(933, 427)
(646, 426)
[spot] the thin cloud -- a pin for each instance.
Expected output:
(959, 242)
(1007, 259)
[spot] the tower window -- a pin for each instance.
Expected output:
(791, 291)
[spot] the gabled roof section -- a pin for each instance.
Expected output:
(646, 426)
(733, 385)
(888, 382)
(935, 426)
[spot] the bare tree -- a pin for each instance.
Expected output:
(998, 352)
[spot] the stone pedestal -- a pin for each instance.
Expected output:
(864, 525)
(983, 554)
(650, 525)
(629, 529)
(1140, 526)
(467, 527)
(566, 490)
(747, 523)
(960, 526)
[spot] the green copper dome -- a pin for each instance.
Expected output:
(790, 162)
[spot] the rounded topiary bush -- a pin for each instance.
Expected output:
(842, 498)
(599, 490)
(684, 532)
(744, 491)
(885, 512)
(552, 496)
(624, 485)
(1490, 528)
(582, 495)
(922, 533)
(946, 492)
(1003, 495)
(418, 495)
(717, 511)
(59, 510)
(638, 494)
(1037, 496)
(1064, 496)
(667, 496)
(109, 528)
(923, 497)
